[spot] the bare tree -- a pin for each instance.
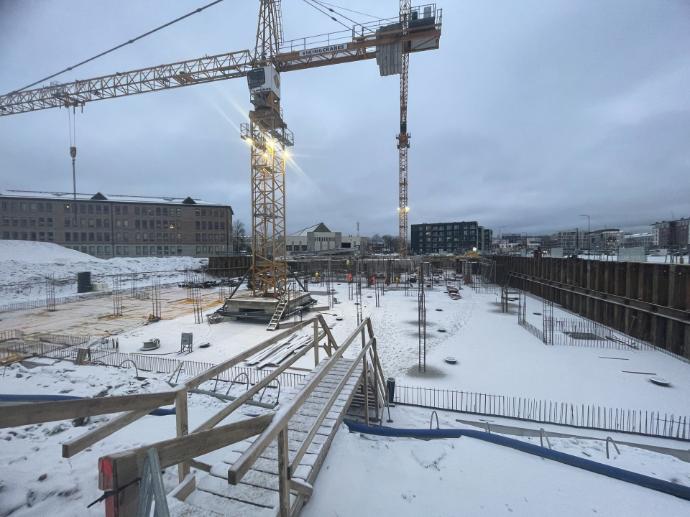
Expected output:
(239, 236)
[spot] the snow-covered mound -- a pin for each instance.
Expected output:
(40, 252)
(25, 266)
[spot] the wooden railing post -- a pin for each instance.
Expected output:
(316, 342)
(366, 386)
(182, 422)
(283, 474)
(374, 360)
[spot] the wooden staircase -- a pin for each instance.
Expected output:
(257, 493)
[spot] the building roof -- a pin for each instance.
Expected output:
(98, 196)
(317, 228)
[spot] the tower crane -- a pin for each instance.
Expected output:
(388, 40)
(403, 136)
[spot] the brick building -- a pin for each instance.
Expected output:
(113, 225)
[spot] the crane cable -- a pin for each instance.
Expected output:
(326, 14)
(137, 38)
(72, 129)
(335, 12)
(346, 9)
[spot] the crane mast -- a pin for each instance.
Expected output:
(268, 136)
(403, 137)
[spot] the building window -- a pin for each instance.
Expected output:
(68, 236)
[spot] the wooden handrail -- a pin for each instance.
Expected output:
(238, 469)
(331, 340)
(33, 413)
(78, 444)
(119, 470)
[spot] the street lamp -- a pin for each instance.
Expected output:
(589, 231)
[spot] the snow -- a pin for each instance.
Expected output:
(28, 252)
(29, 452)
(497, 356)
(370, 475)
(366, 475)
(27, 265)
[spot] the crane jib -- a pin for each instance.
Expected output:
(323, 50)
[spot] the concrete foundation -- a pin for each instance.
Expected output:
(245, 306)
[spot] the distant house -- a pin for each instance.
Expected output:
(319, 239)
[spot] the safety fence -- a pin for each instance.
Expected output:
(39, 304)
(37, 349)
(105, 289)
(65, 339)
(10, 334)
(575, 330)
(105, 353)
(581, 332)
(589, 416)
(188, 369)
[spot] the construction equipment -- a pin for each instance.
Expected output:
(403, 136)
(390, 41)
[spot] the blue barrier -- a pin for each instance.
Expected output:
(5, 397)
(659, 485)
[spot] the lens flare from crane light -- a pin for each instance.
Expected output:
(249, 141)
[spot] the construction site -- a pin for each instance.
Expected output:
(175, 384)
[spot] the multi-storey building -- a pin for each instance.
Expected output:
(673, 234)
(456, 237)
(115, 225)
(605, 240)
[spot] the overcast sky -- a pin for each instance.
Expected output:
(531, 113)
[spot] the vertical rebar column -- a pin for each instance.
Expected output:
(117, 296)
(421, 319)
(155, 298)
(50, 293)
(358, 292)
(329, 288)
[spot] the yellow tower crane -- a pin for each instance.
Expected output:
(388, 40)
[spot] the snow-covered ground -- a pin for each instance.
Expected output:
(26, 266)
(372, 475)
(365, 475)
(496, 356)
(35, 480)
